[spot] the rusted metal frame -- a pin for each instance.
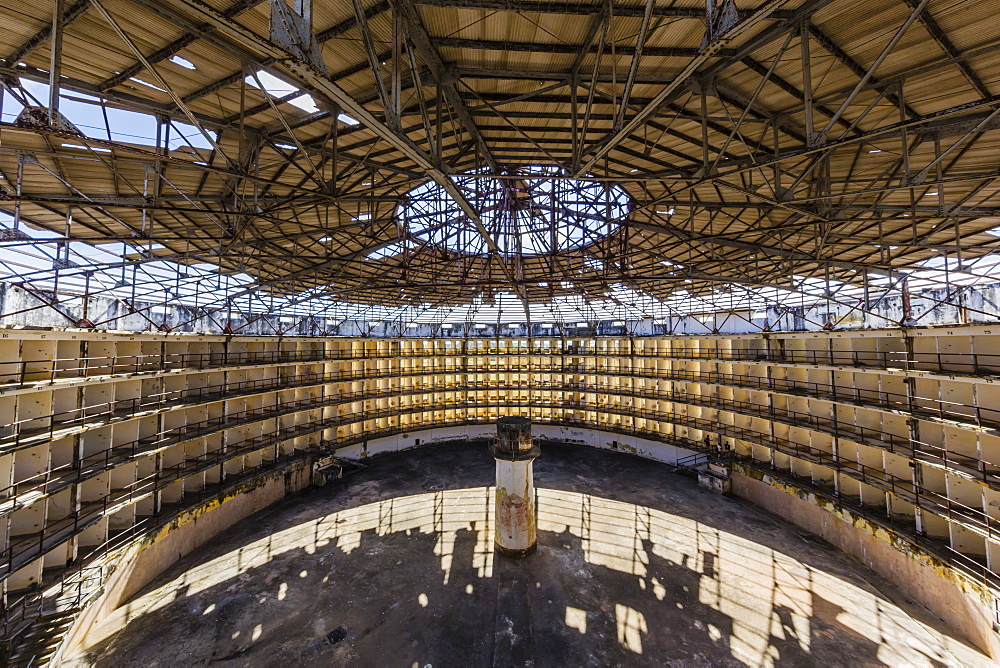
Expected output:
(777, 203)
(710, 50)
(71, 14)
(791, 89)
(171, 49)
(673, 133)
(564, 49)
(332, 262)
(445, 79)
(122, 100)
(603, 18)
(140, 104)
(764, 115)
(249, 145)
(55, 60)
(87, 272)
(949, 300)
(422, 104)
(757, 248)
(114, 158)
(746, 108)
(209, 310)
(974, 134)
(46, 302)
(136, 202)
(948, 47)
(535, 96)
(518, 130)
(316, 176)
(321, 37)
(210, 215)
(864, 114)
(118, 149)
(640, 42)
(582, 9)
(396, 83)
(889, 129)
(374, 64)
(548, 75)
(807, 87)
(940, 214)
(834, 49)
(918, 8)
(510, 115)
(959, 207)
(160, 80)
(503, 140)
(892, 188)
(73, 188)
(756, 283)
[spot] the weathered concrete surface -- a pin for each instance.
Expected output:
(932, 585)
(635, 566)
(145, 559)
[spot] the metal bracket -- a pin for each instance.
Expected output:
(721, 15)
(292, 30)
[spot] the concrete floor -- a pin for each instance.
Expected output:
(393, 566)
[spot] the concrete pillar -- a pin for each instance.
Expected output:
(515, 499)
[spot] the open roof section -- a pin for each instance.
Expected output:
(202, 154)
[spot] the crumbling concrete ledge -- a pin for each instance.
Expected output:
(961, 602)
(130, 569)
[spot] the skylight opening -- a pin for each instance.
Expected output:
(347, 120)
(527, 215)
(183, 62)
(387, 251)
(144, 83)
(275, 87)
(87, 148)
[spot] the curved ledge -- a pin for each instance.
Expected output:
(949, 593)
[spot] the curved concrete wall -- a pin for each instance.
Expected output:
(111, 437)
(957, 601)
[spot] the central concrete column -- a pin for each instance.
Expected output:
(515, 502)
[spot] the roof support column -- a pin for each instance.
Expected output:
(55, 61)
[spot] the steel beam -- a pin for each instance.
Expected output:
(711, 50)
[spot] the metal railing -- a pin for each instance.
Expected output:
(51, 369)
(58, 477)
(18, 610)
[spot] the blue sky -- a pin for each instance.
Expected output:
(85, 112)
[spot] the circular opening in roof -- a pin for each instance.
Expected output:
(529, 212)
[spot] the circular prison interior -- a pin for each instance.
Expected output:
(395, 565)
(299, 299)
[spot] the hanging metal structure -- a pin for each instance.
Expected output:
(259, 167)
